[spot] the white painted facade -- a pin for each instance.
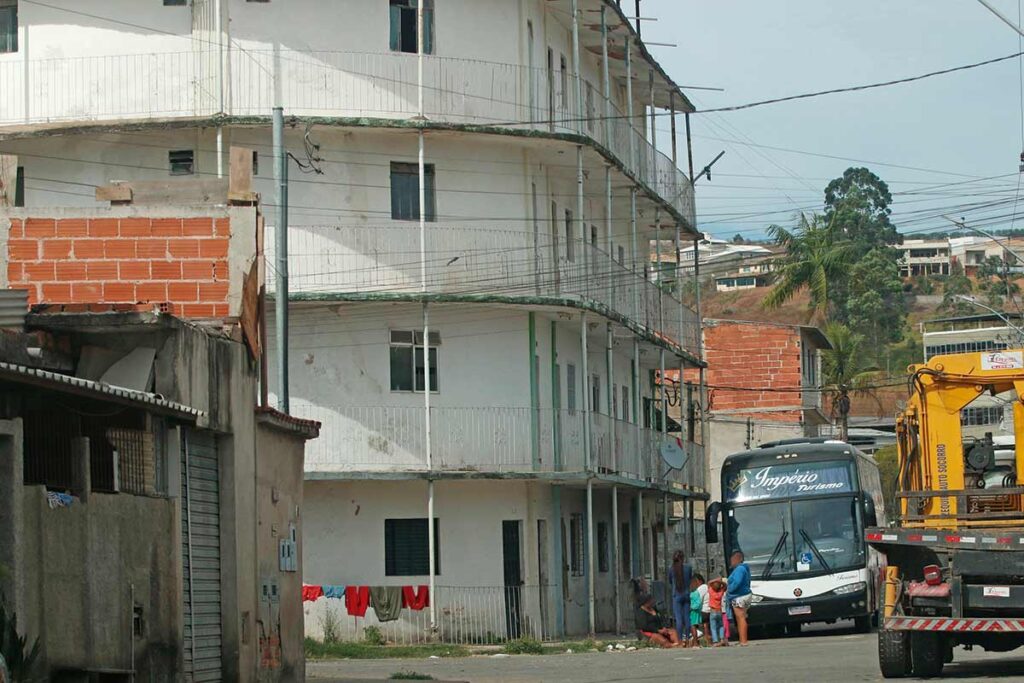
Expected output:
(103, 90)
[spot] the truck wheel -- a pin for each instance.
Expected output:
(893, 653)
(863, 624)
(926, 655)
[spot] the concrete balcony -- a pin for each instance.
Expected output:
(488, 441)
(359, 87)
(478, 262)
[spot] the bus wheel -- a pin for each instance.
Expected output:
(863, 624)
(894, 653)
(926, 655)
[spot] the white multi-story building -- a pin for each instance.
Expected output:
(924, 257)
(539, 444)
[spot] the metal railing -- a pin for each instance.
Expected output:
(466, 615)
(478, 261)
(486, 439)
(328, 83)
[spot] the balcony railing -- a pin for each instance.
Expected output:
(340, 84)
(479, 261)
(490, 440)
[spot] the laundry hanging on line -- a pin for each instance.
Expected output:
(357, 599)
(386, 602)
(337, 592)
(416, 597)
(311, 593)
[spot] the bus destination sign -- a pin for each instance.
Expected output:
(790, 480)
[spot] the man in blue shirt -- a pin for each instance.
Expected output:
(738, 594)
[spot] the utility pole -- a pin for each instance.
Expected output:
(281, 238)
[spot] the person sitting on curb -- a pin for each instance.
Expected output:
(651, 624)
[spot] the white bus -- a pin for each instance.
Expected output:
(797, 510)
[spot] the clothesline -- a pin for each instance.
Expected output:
(387, 601)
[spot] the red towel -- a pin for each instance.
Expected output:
(357, 599)
(311, 593)
(416, 598)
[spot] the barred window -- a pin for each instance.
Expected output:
(576, 551)
(965, 347)
(975, 416)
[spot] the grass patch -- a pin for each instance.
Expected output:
(410, 676)
(344, 650)
(524, 646)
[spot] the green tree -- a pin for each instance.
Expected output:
(877, 306)
(889, 470)
(845, 369)
(814, 260)
(957, 285)
(858, 205)
(738, 239)
(995, 283)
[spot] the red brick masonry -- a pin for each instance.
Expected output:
(179, 262)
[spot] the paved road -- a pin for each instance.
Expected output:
(837, 655)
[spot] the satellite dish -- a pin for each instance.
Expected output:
(672, 454)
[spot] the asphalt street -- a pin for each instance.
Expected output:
(836, 655)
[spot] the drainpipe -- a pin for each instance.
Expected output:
(609, 363)
(616, 579)
(219, 27)
(431, 540)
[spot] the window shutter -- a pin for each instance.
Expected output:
(428, 29)
(396, 27)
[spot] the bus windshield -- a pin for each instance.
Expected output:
(787, 538)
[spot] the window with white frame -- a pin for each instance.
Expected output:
(404, 31)
(8, 25)
(406, 351)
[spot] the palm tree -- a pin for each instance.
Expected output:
(815, 256)
(845, 368)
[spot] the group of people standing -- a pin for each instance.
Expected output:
(699, 606)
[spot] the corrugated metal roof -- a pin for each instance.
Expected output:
(57, 381)
(13, 307)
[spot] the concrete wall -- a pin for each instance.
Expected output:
(728, 435)
(279, 508)
(344, 545)
(75, 574)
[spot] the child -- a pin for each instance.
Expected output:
(696, 605)
(716, 591)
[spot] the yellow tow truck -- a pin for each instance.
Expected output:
(954, 563)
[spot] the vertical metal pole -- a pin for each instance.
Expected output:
(576, 65)
(654, 118)
(637, 289)
(637, 18)
(281, 295)
(664, 529)
(191, 556)
(663, 402)
(608, 229)
(689, 150)
(657, 259)
(606, 88)
(640, 530)
(609, 362)
(675, 144)
(559, 559)
(584, 242)
(641, 452)
(534, 392)
(590, 556)
(586, 392)
(629, 105)
(616, 578)
(702, 388)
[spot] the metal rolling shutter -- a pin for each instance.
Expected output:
(200, 552)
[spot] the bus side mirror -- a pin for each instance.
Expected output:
(711, 523)
(870, 514)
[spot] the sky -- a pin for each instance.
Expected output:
(946, 145)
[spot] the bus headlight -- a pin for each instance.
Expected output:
(850, 588)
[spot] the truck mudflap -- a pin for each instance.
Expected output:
(945, 624)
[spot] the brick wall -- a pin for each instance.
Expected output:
(748, 357)
(181, 263)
